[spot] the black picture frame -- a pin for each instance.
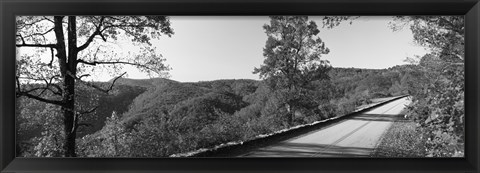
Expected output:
(10, 8)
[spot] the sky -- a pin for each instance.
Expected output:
(207, 48)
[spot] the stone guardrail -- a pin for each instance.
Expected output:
(233, 149)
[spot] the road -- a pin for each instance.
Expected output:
(356, 136)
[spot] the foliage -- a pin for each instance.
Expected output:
(152, 138)
(202, 114)
(402, 139)
(67, 49)
(438, 83)
(160, 99)
(35, 116)
(292, 60)
(241, 87)
(292, 53)
(112, 142)
(333, 21)
(327, 110)
(196, 113)
(160, 117)
(50, 142)
(118, 101)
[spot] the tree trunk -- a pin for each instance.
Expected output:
(69, 116)
(68, 109)
(68, 102)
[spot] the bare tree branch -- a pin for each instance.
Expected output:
(37, 45)
(21, 26)
(45, 18)
(24, 44)
(94, 63)
(115, 80)
(53, 57)
(49, 83)
(98, 87)
(89, 111)
(21, 37)
(43, 90)
(48, 86)
(90, 39)
(95, 54)
(40, 34)
(85, 75)
(55, 102)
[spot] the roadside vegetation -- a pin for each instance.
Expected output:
(403, 139)
(437, 84)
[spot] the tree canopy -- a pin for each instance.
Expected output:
(438, 102)
(68, 49)
(292, 52)
(292, 58)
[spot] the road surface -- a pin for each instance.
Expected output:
(356, 136)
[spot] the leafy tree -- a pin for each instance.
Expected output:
(112, 141)
(50, 143)
(292, 55)
(439, 105)
(67, 49)
(153, 137)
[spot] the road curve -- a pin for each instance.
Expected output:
(356, 136)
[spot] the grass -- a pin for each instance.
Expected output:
(401, 140)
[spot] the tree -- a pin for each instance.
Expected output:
(292, 55)
(36, 117)
(56, 53)
(112, 140)
(439, 106)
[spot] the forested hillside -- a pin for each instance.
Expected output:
(160, 117)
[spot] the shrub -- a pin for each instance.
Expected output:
(50, 142)
(327, 110)
(345, 106)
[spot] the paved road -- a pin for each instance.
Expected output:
(353, 137)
